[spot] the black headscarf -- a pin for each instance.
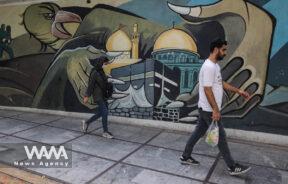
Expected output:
(98, 62)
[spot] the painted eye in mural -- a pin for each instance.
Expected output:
(49, 16)
(9, 41)
(3, 40)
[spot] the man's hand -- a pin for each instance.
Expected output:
(85, 99)
(216, 115)
(245, 94)
(240, 92)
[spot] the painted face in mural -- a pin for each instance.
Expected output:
(40, 14)
(49, 24)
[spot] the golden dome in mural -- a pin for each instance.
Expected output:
(175, 39)
(118, 41)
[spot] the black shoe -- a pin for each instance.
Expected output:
(84, 126)
(189, 161)
(238, 169)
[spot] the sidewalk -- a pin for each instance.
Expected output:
(137, 155)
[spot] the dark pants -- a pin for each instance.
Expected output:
(102, 112)
(205, 119)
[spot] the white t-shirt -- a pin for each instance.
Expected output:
(210, 76)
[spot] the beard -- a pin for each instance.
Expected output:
(219, 57)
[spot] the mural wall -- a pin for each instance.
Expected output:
(47, 52)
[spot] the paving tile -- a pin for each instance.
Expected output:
(178, 141)
(84, 168)
(5, 178)
(257, 175)
(125, 174)
(107, 148)
(73, 124)
(48, 134)
(8, 113)
(10, 126)
(37, 117)
(11, 151)
(131, 133)
(259, 155)
(11, 139)
(168, 160)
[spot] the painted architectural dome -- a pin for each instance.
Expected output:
(175, 39)
(118, 41)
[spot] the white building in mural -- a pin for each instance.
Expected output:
(176, 48)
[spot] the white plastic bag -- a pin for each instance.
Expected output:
(212, 137)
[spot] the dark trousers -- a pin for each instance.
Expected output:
(204, 122)
(102, 112)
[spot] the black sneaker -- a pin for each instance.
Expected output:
(189, 161)
(238, 169)
(84, 126)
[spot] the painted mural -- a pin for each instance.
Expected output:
(47, 50)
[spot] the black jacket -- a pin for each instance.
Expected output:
(97, 85)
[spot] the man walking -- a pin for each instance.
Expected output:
(209, 104)
(98, 87)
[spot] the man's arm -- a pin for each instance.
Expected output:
(231, 88)
(211, 99)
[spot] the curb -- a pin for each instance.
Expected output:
(258, 137)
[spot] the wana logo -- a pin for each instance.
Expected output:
(43, 152)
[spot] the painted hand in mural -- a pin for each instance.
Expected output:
(5, 41)
(72, 65)
(79, 69)
(248, 51)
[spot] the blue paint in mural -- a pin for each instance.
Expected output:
(278, 68)
(279, 10)
(155, 10)
(260, 2)
(201, 2)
